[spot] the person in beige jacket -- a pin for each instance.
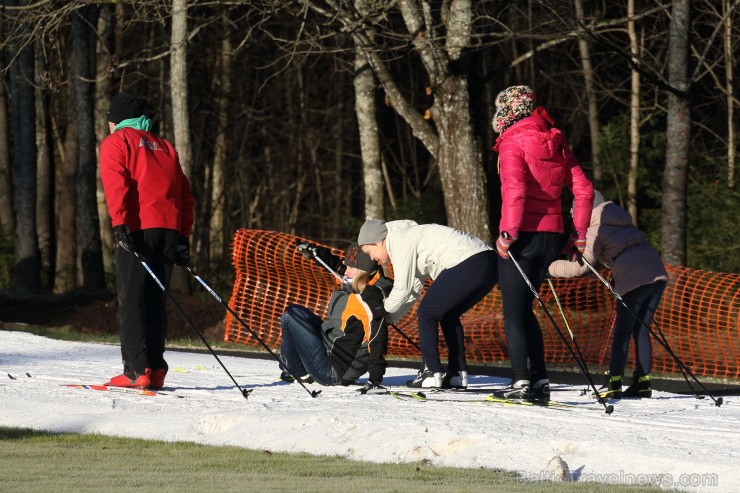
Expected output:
(464, 270)
(639, 278)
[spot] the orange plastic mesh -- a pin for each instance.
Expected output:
(698, 315)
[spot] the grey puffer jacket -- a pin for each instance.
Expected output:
(614, 241)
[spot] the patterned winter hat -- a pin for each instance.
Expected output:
(512, 104)
(355, 257)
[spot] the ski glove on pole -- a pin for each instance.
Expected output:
(576, 243)
(314, 252)
(372, 388)
(503, 243)
(182, 254)
(123, 238)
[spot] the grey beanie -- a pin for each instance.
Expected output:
(598, 199)
(373, 231)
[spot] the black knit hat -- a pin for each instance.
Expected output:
(358, 259)
(125, 106)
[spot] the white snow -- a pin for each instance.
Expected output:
(670, 440)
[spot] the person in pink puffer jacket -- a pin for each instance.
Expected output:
(535, 165)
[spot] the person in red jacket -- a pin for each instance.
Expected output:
(535, 164)
(151, 209)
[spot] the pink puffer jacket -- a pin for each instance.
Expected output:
(535, 164)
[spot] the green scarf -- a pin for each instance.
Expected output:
(140, 123)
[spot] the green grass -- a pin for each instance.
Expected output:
(34, 461)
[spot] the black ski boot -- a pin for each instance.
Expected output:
(640, 387)
(456, 380)
(612, 388)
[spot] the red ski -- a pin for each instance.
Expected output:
(112, 388)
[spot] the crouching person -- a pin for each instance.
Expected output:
(352, 340)
(639, 277)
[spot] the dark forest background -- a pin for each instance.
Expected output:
(309, 116)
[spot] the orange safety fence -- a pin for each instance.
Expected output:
(698, 315)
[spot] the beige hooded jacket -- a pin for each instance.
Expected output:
(614, 241)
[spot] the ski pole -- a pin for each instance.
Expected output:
(334, 273)
(245, 392)
(565, 320)
(314, 393)
(663, 342)
(580, 362)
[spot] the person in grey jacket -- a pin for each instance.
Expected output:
(464, 270)
(639, 278)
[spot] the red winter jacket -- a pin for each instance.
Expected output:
(535, 164)
(144, 184)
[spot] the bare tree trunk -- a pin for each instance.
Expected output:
(460, 161)
(218, 200)
(634, 115)
(66, 197)
(678, 137)
(457, 153)
(103, 90)
(179, 95)
(730, 95)
(88, 227)
(179, 83)
(340, 203)
(365, 85)
(27, 257)
(44, 183)
(7, 220)
(588, 77)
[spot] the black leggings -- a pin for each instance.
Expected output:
(452, 293)
(533, 252)
(642, 302)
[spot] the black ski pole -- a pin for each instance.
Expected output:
(579, 361)
(245, 392)
(662, 342)
(334, 273)
(314, 393)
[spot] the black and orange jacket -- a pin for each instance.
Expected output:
(355, 331)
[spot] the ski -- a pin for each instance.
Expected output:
(476, 390)
(445, 397)
(113, 388)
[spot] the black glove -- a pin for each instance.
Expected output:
(372, 388)
(385, 284)
(123, 238)
(321, 254)
(182, 254)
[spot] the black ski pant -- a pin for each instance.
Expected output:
(453, 292)
(142, 318)
(534, 252)
(642, 302)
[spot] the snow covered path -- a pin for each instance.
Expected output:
(671, 440)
